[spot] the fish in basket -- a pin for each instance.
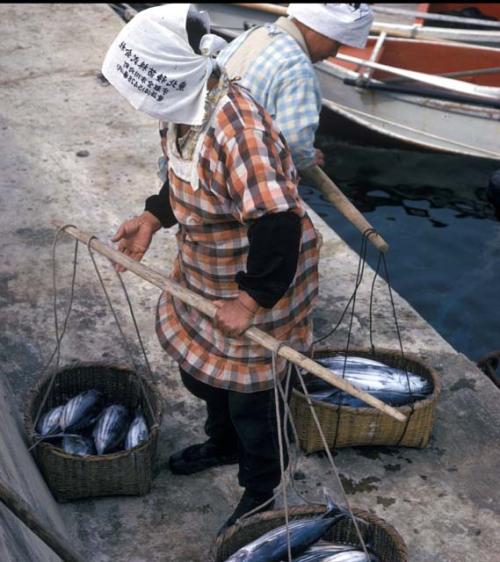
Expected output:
(404, 382)
(97, 434)
(112, 430)
(317, 533)
(392, 385)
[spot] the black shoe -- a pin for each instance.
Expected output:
(249, 501)
(199, 457)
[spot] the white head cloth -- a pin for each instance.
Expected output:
(341, 22)
(152, 64)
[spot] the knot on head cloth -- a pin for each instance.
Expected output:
(153, 65)
(348, 24)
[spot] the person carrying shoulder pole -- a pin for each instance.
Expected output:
(244, 240)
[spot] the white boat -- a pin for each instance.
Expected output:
(432, 94)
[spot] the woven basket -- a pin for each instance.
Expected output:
(367, 426)
(122, 473)
(386, 541)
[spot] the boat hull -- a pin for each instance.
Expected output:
(458, 128)
(428, 123)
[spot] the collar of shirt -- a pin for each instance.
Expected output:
(287, 25)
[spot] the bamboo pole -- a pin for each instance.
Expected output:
(207, 307)
(282, 11)
(54, 540)
(262, 7)
(435, 17)
(438, 34)
(317, 176)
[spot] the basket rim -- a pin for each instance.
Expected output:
(306, 510)
(369, 410)
(34, 392)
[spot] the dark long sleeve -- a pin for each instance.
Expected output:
(273, 255)
(159, 206)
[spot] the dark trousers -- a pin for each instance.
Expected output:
(244, 423)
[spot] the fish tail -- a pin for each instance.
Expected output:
(332, 508)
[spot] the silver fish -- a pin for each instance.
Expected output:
(49, 422)
(393, 398)
(111, 428)
(82, 410)
(370, 375)
(137, 432)
(342, 556)
(335, 553)
(78, 445)
(273, 546)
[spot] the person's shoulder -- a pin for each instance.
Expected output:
(288, 49)
(239, 111)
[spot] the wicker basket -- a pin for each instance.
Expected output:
(367, 426)
(122, 473)
(385, 540)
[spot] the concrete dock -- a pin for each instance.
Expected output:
(72, 149)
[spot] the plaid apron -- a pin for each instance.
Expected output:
(238, 170)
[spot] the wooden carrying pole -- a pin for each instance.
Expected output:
(54, 540)
(317, 176)
(282, 11)
(262, 7)
(459, 20)
(207, 307)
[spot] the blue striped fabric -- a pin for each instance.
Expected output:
(282, 79)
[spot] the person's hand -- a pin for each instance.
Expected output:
(134, 237)
(319, 157)
(234, 316)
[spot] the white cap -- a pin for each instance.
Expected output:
(345, 23)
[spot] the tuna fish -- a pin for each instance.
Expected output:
(78, 445)
(137, 432)
(393, 386)
(111, 428)
(392, 398)
(49, 422)
(273, 546)
(81, 411)
(335, 553)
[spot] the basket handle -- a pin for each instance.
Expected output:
(57, 350)
(59, 337)
(118, 325)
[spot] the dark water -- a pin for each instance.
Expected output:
(431, 208)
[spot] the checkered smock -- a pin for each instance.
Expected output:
(282, 79)
(244, 171)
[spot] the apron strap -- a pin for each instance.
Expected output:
(255, 43)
